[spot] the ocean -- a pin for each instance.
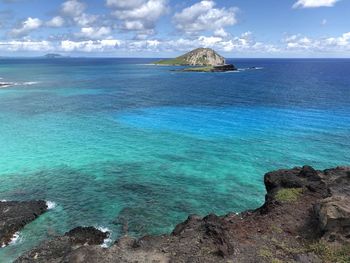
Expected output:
(115, 142)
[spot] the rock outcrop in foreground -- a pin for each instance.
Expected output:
(196, 57)
(15, 215)
(305, 218)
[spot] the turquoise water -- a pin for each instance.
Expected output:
(111, 141)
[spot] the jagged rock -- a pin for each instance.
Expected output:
(217, 231)
(276, 232)
(338, 180)
(190, 223)
(87, 235)
(334, 218)
(65, 248)
(223, 68)
(15, 215)
(305, 177)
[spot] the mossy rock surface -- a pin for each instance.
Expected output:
(176, 62)
(289, 195)
(331, 253)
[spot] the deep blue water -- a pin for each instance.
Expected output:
(116, 140)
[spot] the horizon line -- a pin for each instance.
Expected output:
(111, 57)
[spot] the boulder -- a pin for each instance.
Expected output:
(334, 218)
(74, 246)
(87, 235)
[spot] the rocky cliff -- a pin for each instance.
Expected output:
(305, 218)
(197, 57)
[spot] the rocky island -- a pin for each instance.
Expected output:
(305, 218)
(53, 55)
(199, 60)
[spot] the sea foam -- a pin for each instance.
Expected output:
(26, 83)
(107, 242)
(50, 205)
(14, 240)
(30, 83)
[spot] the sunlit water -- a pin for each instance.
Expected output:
(111, 141)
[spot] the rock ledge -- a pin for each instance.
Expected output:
(15, 215)
(305, 218)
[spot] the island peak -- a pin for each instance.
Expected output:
(196, 57)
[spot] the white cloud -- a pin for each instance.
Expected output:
(143, 45)
(314, 3)
(75, 11)
(243, 43)
(342, 41)
(27, 26)
(73, 8)
(324, 22)
(220, 33)
(299, 43)
(204, 16)
(138, 15)
(57, 21)
(124, 4)
(85, 19)
(90, 45)
(100, 41)
(13, 46)
(94, 32)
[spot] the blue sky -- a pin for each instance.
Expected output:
(165, 28)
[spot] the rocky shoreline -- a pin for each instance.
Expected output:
(305, 218)
(15, 215)
(222, 68)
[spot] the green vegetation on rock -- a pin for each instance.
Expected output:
(176, 62)
(265, 253)
(331, 254)
(288, 194)
(197, 57)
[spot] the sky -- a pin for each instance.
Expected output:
(166, 28)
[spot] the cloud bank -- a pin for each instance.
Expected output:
(314, 3)
(131, 27)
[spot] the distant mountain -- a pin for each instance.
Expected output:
(53, 55)
(196, 57)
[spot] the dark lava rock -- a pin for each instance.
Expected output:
(15, 215)
(305, 218)
(223, 68)
(217, 231)
(61, 248)
(87, 235)
(190, 222)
